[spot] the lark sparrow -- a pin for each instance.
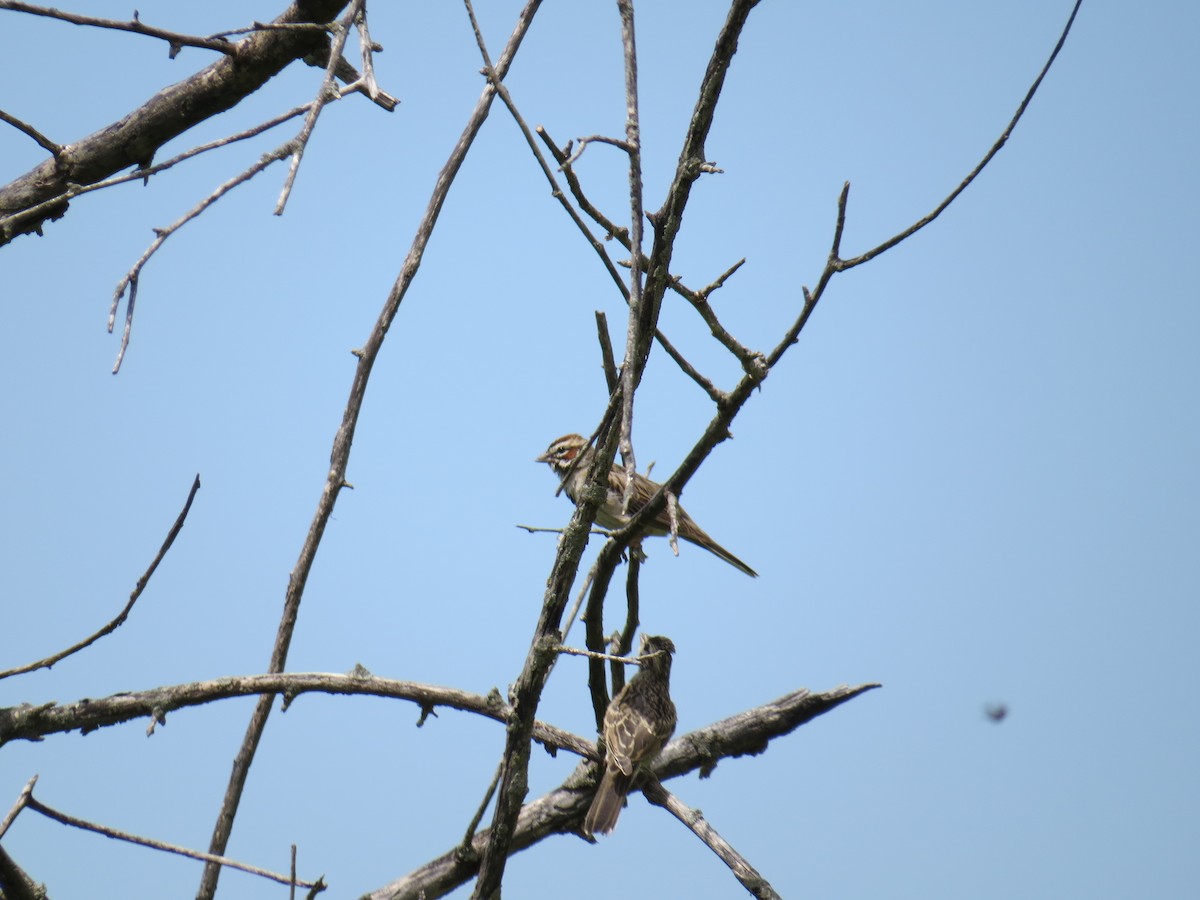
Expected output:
(639, 720)
(562, 453)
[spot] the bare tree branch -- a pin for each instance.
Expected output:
(134, 139)
(116, 834)
(24, 127)
(745, 873)
(133, 597)
(15, 884)
(845, 264)
(528, 687)
(643, 310)
(21, 802)
(561, 811)
(324, 93)
(176, 40)
(34, 723)
(340, 455)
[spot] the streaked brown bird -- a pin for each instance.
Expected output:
(562, 453)
(638, 722)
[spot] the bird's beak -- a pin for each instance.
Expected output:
(545, 457)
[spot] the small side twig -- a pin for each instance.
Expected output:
(42, 141)
(131, 277)
(133, 597)
(606, 351)
(21, 802)
(75, 190)
(745, 873)
(324, 93)
(620, 659)
(624, 641)
(597, 139)
(473, 825)
(583, 591)
(699, 301)
(368, 48)
(563, 158)
(176, 40)
(621, 234)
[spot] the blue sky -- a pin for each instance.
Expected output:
(973, 480)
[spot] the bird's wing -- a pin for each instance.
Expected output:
(630, 737)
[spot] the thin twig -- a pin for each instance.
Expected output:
(845, 264)
(138, 136)
(133, 597)
(596, 139)
(624, 641)
(75, 190)
(21, 802)
(343, 441)
(42, 141)
(621, 235)
(51, 813)
(835, 263)
(131, 277)
(173, 38)
(699, 301)
(537, 529)
(556, 191)
(622, 659)
(368, 48)
(324, 93)
(473, 825)
(587, 581)
(745, 873)
(606, 351)
(643, 312)
(618, 233)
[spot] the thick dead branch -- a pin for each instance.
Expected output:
(561, 811)
(14, 883)
(33, 723)
(135, 139)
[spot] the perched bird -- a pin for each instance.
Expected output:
(562, 453)
(639, 720)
